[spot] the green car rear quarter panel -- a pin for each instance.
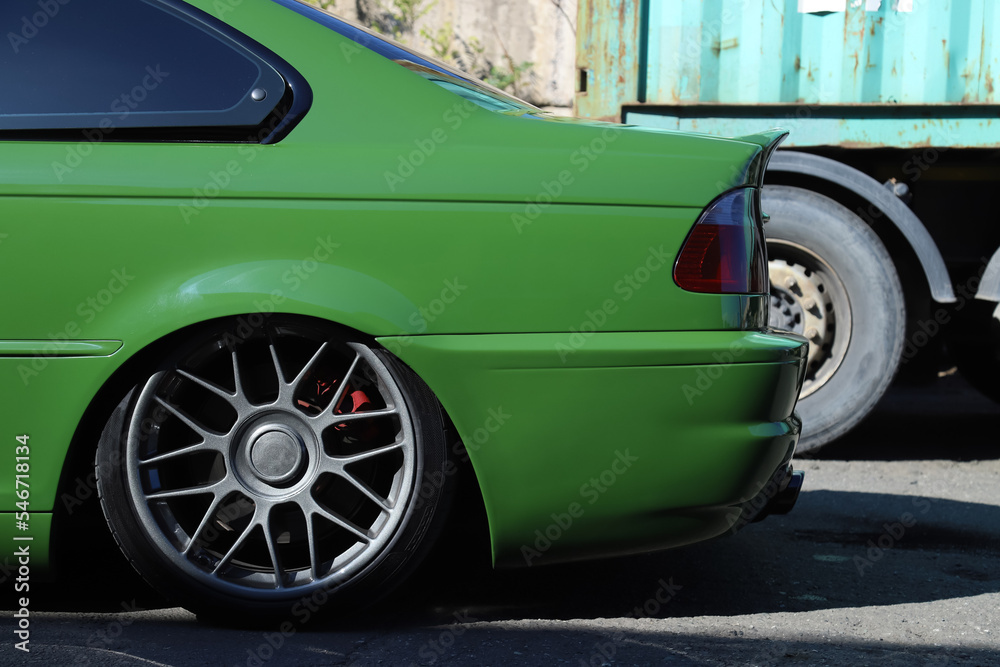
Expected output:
(399, 210)
(660, 438)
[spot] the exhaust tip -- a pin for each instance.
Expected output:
(784, 501)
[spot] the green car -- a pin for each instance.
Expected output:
(274, 283)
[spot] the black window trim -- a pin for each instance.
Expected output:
(293, 102)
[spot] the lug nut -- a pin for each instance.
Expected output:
(790, 282)
(812, 333)
(808, 303)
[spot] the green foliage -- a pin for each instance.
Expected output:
(509, 77)
(471, 58)
(441, 42)
(398, 18)
(505, 77)
(328, 5)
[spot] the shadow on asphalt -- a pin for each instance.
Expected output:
(836, 550)
(511, 646)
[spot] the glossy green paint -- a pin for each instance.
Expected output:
(370, 265)
(359, 138)
(650, 401)
(36, 538)
(59, 348)
(421, 226)
(164, 276)
(45, 399)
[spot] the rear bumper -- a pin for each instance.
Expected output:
(788, 493)
(629, 442)
(778, 497)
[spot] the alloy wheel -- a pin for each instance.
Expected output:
(272, 465)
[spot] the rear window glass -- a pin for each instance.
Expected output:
(131, 63)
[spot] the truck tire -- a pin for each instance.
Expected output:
(833, 282)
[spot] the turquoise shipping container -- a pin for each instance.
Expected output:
(850, 73)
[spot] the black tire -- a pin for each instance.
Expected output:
(295, 492)
(858, 314)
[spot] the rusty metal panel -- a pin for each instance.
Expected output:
(771, 52)
(852, 73)
(610, 42)
(836, 126)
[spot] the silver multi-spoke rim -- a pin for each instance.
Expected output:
(265, 491)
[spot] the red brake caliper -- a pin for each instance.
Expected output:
(359, 399)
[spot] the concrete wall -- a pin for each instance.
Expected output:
(542, 32)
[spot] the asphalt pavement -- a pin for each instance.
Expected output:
(891, 558)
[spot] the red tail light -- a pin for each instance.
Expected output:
(725, 253)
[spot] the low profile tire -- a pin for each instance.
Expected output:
(833, 282)
(270, 473)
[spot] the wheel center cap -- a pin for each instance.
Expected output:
(276, 455)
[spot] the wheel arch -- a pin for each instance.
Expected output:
(78, 475)
(77, 471)
(831, 178)
(989, 286)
